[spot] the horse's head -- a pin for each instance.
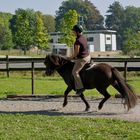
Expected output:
(53, 62)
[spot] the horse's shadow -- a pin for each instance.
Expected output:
(54, 112)
(61, 112)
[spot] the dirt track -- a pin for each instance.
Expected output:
(113, 108)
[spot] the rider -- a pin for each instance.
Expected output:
(81, 56)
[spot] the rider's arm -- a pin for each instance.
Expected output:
(76, 52)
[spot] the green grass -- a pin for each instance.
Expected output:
(28, 126)
(135, 82)
(42, 127)
(21, 84)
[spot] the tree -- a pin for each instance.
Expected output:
(85, 9)
(49, 23)
(123, 21)
(131, 34)
(132, 43)
(5, 37)
(132, 18)
(22, 25)
(41, 37)
(5, 32)
(94, 20)
(67, 22)
(114, 21)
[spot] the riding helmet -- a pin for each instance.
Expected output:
(77, 28)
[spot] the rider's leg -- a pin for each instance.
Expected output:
(79, 64)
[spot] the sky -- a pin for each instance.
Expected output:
(50, 7)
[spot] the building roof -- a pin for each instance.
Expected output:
(99, 31)
(88, 32)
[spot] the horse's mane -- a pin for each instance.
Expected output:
(59, 59)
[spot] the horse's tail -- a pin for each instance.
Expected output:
(125, 90)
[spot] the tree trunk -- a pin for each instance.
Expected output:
(25, 50)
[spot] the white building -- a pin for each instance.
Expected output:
(101, 40)
(62, 49)
(98, 40)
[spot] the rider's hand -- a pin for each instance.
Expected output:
(69, 58)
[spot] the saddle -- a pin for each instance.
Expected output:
(88, 66)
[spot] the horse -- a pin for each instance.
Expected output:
(99, 76)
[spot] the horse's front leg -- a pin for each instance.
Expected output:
(85, 101)
(66, 95)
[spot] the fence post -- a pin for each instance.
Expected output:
(32, 72)
(125, 70)
(7, 65)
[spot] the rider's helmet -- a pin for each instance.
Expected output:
(77, 28)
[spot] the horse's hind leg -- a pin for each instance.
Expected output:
(117, 87)
(85, 101)
(106, 97)
(66, 95)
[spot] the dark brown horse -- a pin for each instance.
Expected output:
(99, 76)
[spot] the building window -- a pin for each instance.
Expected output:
(108, 38)
(59, 40)
(80, 20)
(54, 51)
(90, 39)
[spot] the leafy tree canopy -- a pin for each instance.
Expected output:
(114, 16)
(132, 43)
(49, 23)
(67, 22)
(126, 21)
(22, 25)
(132, 18)
(41, 37)
(28, 29)
(91, 16)
(5, 33)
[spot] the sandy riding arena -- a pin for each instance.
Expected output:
(113, 108)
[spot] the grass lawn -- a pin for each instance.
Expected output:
(39, 127)
(42, 127)
(21, 84)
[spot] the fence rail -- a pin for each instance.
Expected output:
(13, 60)
(8, 64)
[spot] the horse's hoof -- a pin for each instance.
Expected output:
(64, 104)
(100, 107)
(87, 108)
